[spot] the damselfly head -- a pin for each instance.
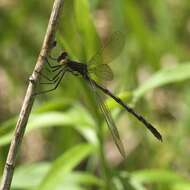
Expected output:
(54, 44)
(62, 58)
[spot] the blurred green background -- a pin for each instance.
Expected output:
(66, 146)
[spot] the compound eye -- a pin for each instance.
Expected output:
(62, 56)
(54, 43)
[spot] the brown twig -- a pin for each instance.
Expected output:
(29, 98)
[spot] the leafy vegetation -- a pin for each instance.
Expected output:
(67, 144)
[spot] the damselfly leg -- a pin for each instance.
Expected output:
(52, 67)
(56, 83)
(55, 80)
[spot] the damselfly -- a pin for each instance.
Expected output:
(91, 71)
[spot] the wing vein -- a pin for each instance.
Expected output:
(109, 120)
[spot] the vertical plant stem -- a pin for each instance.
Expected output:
(92, 102)
(105, 166)
(29, 99)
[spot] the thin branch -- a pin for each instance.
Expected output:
(29, 98)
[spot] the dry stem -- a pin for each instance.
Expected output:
(29, 99)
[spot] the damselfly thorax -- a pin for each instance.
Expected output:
(73, 66)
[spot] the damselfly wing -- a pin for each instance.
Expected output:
(98, 67)
(108, 118)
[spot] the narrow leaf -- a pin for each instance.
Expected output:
(65, 164)
(166, 76)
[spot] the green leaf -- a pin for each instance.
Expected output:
(50, 119)
(165, 76)
(181, 186)
(30, 176)
(69, 36)
(82, 178)
(6, 139)
(55, 104)
(7, 126)
(81, 122)
(140, 30)
(86, 27)
(65, 164)
(6, 131)
(156, 176)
